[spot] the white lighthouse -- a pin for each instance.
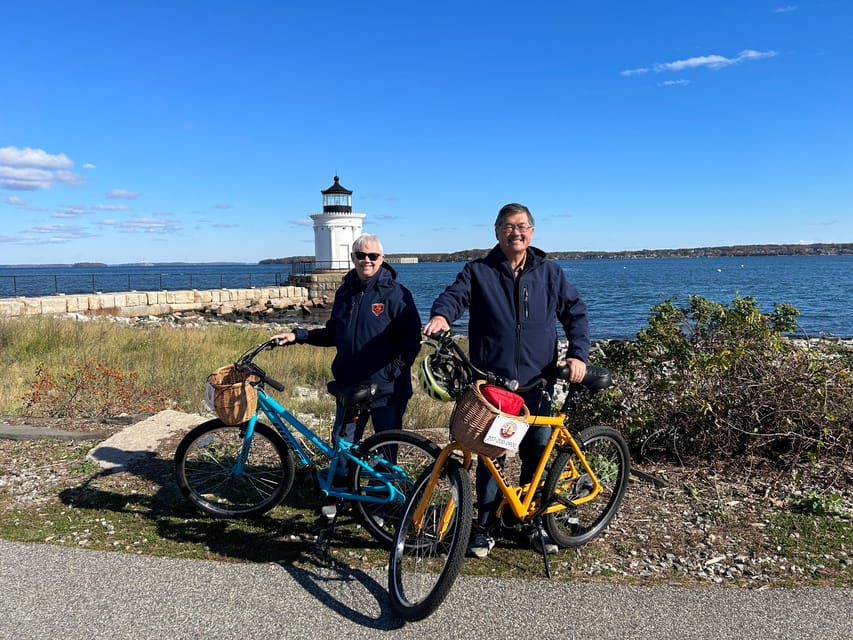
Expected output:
(335, 229)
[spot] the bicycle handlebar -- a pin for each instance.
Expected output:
(596, 378)
(446, 343)
(245, 363)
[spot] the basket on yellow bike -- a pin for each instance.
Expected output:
(230, 394)
(473, 418)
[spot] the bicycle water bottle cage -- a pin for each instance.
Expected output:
(351, 396)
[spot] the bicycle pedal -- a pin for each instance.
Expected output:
(329, 510)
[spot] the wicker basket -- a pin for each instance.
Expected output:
(231, 396)
(471, 419)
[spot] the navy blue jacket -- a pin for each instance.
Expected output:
(377, 331)
(512, 328)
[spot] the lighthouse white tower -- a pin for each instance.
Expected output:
(335, 229)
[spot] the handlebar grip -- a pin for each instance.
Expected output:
(275, 384)
(438, 335)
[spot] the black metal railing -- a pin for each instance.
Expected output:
(79, 283)
(304, 267)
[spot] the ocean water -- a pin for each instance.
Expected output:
(618, 292)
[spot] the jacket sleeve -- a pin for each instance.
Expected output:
(454, 300)
(572, 314)
(322, 337)
(407, 333)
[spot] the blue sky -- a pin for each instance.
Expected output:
(202, 131)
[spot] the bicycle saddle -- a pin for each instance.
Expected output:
(350, 396)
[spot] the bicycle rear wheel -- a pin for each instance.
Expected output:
(400, 457)
(204, 469)
(427, 555)
(608, 457)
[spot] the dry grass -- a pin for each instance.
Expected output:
(175, 358)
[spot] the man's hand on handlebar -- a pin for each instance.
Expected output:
(436, 324)
(282, 339)
(577, 368)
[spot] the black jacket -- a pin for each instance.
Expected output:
(377, 331)
(512, 327)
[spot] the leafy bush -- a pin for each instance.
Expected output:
(712, 379)
(92, 389)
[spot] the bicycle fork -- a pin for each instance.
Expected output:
(447, 511)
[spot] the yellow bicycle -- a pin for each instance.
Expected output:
(575, 491)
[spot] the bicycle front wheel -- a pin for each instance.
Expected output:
(607, 454)
(205, 469)
(399, 457)
(428, 551)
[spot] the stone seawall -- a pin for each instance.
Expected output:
(157, 303)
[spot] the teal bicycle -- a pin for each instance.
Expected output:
(246, 468)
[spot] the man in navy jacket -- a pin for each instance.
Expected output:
(375, 327)
(514, 297)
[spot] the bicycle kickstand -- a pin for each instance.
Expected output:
(540, 532)
(326, 535)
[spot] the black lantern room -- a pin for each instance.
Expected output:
(337, 198)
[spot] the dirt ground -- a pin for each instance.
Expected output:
(745, 522)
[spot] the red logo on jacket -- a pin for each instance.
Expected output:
(378, 308)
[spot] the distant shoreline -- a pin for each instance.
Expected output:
(815, 249)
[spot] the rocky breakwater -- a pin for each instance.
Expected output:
(256, 303)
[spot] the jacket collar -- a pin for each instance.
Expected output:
(496, 256)
(383, 277)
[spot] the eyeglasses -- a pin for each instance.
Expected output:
(509, 228)
(361, 255)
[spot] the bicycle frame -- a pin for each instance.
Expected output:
(338, 456)
(520, 498)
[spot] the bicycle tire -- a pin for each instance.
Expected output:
(424, 562)
(410, 451)
(607, 454)
(204, 461)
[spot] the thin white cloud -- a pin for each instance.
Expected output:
(70, 211)
(785, 9)
(222, 205)
(28, 157)
(25, 179)
(27, 169)
(674, 83)
(111, 207)
(303, 222)
(62, 232)
(712, 61)
(122, 194)
(149, 225)
(89, 165)
(24, 204)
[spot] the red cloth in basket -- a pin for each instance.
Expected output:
(503, 399)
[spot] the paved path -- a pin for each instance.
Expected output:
(57, 592)
(51, 592)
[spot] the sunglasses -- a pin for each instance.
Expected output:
(361, 255)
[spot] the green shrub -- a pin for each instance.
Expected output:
(713, 379)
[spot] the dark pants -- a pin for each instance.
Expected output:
(388, 416)
(489, 496)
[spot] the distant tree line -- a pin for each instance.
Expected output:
(820, 249)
